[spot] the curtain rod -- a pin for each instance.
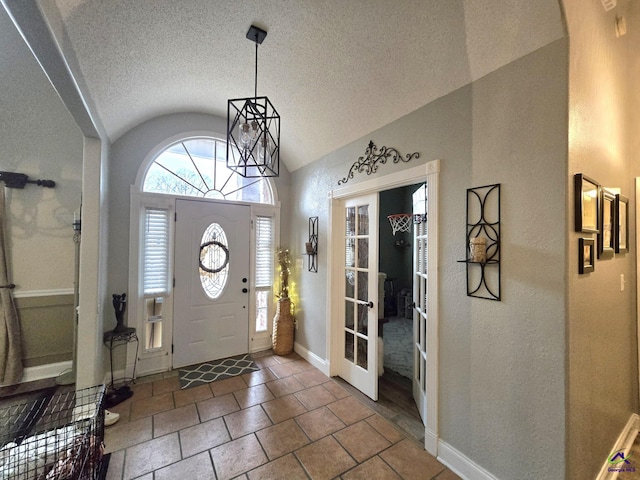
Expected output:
(19, 180)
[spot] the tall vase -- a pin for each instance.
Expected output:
(283, 328)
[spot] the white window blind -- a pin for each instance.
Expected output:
(264, 251)
(156, 251)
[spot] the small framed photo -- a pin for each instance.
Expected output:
(622, 225)
(587, 204)
(586, 255)
(607, 236)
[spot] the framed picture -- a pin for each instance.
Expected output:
(622, 225)
(607, 236)
(586, 255)
(587, 206)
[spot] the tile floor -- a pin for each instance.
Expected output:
(287, 420)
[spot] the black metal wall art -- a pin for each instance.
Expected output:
(372, 159)
(311, 247)
(483, 242)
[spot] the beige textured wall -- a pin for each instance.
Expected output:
(602, 342)
(39, 138)
(47, 329)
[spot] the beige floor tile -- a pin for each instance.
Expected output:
(116, 465)
(285, 369)
(259, 377)
(335, 389)
(165, 385)
(151, 405)
(282, 438)
(123, 409)
(285, 468)
(361, 440)
(350, 410)
(315, 397)
(311, 377)
(191, 395)
(325, 459)
(285, 386)
(152, 455)
(237, 457)
(319, 423)
(203, 436)
(171, 373)
(410, 461)
(149, 378)
(447, 475)
(140, 390)
(193, 468)
(124, 435)
(385, 427)
(287, 358)
(246, 421)
(228, 385)
(265, 362)
(372, 469)
(217, 407)
(174, 420)
(253, 396)
(283, 408)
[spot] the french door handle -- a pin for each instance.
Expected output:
(362, 302)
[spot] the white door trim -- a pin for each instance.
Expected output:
(428, 172)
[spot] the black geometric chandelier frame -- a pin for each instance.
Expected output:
(253, 129)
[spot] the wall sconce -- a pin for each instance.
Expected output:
(311, 247)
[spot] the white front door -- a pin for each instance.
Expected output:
(211, 299)
(420, 325)
(358, 333)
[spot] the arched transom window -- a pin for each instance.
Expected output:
(197, 168)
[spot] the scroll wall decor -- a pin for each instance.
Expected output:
(372, 159)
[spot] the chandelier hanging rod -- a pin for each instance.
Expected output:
(256, 35)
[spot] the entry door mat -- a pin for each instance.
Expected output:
(216, 370)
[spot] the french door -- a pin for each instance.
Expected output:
(420, 298)
(211, 299)
(358, 336)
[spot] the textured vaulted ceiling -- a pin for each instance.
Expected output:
(334, 69)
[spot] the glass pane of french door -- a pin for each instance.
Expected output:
(359, 322)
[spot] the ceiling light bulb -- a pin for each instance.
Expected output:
(264, 153)
(247, 134)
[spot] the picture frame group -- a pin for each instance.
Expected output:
(602, 211)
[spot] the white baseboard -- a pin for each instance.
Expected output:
(312, 358)
(431, 442)
(41, 372)
(460, 464)
(624, 443)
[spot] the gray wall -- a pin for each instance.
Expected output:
(501, 363)
(602, 330)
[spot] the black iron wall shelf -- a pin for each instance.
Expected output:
(483, 223)
(311, 247)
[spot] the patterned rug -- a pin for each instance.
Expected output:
(398, 346)
(207, 372)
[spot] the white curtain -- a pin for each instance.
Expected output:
(10, 337)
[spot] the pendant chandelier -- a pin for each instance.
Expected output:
(253, 129)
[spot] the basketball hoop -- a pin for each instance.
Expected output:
(400, 222)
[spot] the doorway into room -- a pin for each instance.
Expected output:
(350, 343)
